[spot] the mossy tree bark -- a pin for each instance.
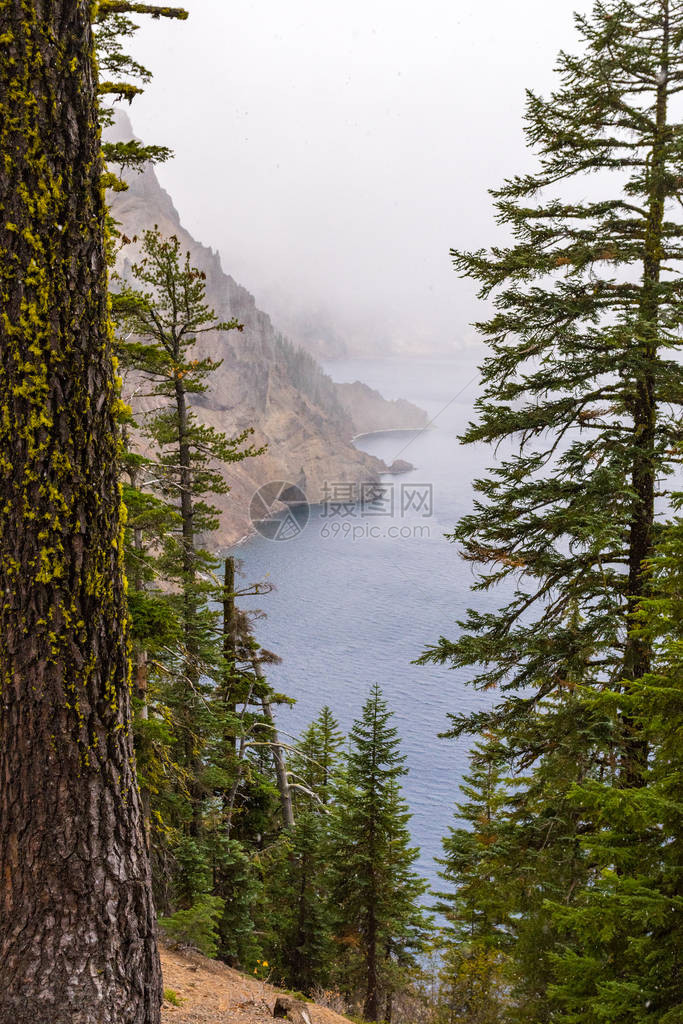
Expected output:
(77, 925)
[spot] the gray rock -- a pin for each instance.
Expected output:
(400, 466)
(291, 1009)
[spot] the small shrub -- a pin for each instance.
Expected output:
(172, 997)
(331, 999)
(197, 926)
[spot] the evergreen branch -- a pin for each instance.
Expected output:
(104, 8)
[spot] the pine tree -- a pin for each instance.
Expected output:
(204, 692)
(77, 924)
(166, 320)
(112, 25)
(167, 317)
(587, 315)
(407, 925)
(299, 920)
(300, 945)
(583, 381)
(620, 958)
(315, 761)
(477, 910)
(375, 888)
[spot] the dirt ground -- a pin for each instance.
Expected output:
(211, 993)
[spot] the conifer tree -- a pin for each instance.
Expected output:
(582, 380)
(376, 890)
(220, 804)
(299, 943)
(588, 314)
(620, 955)
(315, 761)
(477, 910)
(300, 946)
(166, 319)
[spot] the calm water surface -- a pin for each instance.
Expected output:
(359, 597)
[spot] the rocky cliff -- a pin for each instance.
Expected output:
(263, 382)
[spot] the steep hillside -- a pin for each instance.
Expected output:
(208, 992)
(263, 381)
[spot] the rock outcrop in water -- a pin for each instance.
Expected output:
(263, 382)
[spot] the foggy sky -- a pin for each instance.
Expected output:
(333, 154)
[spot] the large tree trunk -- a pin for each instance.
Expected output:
(190, 604)
(229, 634)
(77, 925)
(371, 1004)
(638, 654)
(278, 757)
(230, 653)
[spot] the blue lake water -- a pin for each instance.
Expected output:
(359, 596)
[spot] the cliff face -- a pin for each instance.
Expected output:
(262, 383)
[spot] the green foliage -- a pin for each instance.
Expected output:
(620, 959)
(299, 927)
(196, 679)
(194, 873)
(315, 761)
(238, 882)
(166, 319)
(474, 855)
(472, 983)
(111, 27)
(470, 989)
(574, 341)
(299, 938)
(581, 394)
(197, 926)
(375, 890)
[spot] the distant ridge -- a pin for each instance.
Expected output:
(264, 382)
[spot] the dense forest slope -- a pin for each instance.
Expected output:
(370, 411)
(264, 382)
